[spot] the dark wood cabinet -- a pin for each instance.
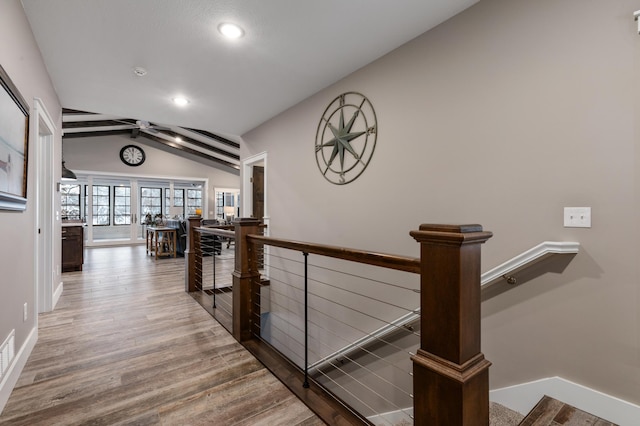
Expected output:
(72, 248)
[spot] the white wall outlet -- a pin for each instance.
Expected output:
(577, 217)
(25, 312)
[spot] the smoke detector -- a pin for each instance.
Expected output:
(139, 72)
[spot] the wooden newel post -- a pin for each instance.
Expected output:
(450, 374)
(243, 277)
(193, 256)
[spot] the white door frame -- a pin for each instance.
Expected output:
(47, 297)
(135, 180)
(236, 199)
(247, 186)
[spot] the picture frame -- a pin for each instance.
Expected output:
(14, 145)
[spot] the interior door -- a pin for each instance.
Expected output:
(258, 192)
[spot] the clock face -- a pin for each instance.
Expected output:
(346, 138)
(132, 155)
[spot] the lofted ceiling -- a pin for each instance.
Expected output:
(195, 144)
(289, 51)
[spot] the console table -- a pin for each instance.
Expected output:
(161, 241)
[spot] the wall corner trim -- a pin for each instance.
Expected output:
(56, 294)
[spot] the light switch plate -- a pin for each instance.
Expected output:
(577, 217)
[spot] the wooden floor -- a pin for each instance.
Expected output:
(551, 412)
(127, 346)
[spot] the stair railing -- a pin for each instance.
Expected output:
(450, 373)
(504, 273)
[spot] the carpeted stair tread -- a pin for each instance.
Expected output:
(499, 415)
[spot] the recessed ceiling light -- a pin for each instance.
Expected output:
(230, 30)
(178, 139)
(139, 72)
(180, 101)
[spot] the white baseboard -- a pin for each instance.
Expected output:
(522, 398)
(56, 295)
(11, 378)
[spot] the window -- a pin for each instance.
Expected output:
(194, 200)
(101, 205)
(178, 202)
(122, 205)
(150, 202)
(70, 201)
(228, 199)
(220, 205)
(227, 205)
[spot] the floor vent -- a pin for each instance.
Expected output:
(7, 353)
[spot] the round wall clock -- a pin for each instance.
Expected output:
(132, 155)
(346, 138)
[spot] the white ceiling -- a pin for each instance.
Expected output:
(291, 50)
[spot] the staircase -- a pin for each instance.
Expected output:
(548, 412)
(552, 412)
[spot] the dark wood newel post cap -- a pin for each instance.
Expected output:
(451, 234)
(450, 228)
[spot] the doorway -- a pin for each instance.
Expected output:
(258, 192)
(226, 204)
(254, 188)
(115, 209)
(47, 296)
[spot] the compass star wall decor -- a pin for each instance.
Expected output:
(346, 138)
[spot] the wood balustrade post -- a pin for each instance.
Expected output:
(193, 256)
(243, 278)
(450, 374)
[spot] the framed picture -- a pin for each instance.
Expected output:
(14, 145)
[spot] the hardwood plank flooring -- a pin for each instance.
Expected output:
(551, 412)
(127, 346)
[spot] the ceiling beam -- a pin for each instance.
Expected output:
(202, 145)
(78, 124)
(216, 137)
(190, 151)
(93, 133)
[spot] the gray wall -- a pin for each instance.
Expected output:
(21, 59)
(501, 116)
(102, 154)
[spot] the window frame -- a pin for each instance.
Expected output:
(64, 196)
(143, 197)
(126, 216)
(95, 205)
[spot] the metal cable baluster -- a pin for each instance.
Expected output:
(306, 325)
(214, 271)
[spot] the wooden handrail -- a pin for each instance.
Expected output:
(229, 227)
(451, 380)
(221, 232)
(390, 261)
